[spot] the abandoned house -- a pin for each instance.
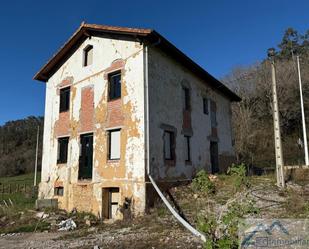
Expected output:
(123, 104)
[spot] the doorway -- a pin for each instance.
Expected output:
(110, 202)
(214, 157)
(86, 156)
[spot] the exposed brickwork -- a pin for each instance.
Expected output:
(116, 65)
(92, 111)
(115, 115)
(62, 126)
(66, 82)
(186, 123)
(214, 132)
(58, 184)
(82, 197)
(87, 110)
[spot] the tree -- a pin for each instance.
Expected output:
(18, 144)
(252, 117)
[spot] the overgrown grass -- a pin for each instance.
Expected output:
(21, 179)
(20, 200)
(14, 207)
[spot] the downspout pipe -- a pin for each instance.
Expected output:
(147, 154)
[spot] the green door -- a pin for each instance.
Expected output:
(86, 156)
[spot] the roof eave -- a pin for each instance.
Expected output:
(169, 47)
(86, 30)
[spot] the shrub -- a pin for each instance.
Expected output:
(202, 183)
(238, 171)
(223, 233)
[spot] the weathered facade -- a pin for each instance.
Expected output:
(122, 103)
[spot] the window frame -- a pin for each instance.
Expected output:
(85, 159)
(188, 148)
(110, 144)
(112, 87)
(86, 51)
(205, 105)
(61, 160)
(59, 191)
(172, 145)
(64, 95)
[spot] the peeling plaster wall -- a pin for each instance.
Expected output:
(166, 79)
(91, 83)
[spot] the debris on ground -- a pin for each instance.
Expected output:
(67, 225)
(212, 177)
(157, 229)
(41, 215)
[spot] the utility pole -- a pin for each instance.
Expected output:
(36, 156)
(277, 132)
(302, 113)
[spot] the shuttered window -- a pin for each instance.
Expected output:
(114, 144)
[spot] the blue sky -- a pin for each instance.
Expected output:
(218, 35)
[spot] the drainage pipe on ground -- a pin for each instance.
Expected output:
(146, 105)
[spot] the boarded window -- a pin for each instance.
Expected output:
(114, 144)
(168, 145)
(186, 98)
(187, 148)
(205, 106)
(114, 85)
(88, 55)
(58, 191)
(64, 99)
(63, 150)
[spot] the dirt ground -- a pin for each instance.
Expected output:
(162, 233)
(158, 229)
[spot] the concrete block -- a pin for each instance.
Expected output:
(46, 203)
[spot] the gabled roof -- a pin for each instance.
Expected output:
(143, 35)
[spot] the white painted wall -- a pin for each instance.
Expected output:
(105, 51)
(165, 102)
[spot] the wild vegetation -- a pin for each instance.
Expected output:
(212, 204)
(252, 117)
(18, 145)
